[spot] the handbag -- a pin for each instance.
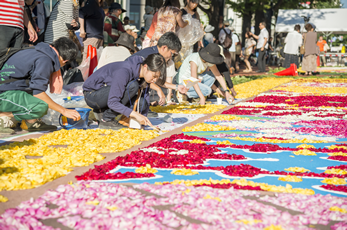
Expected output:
(326, 47)
(302, 48)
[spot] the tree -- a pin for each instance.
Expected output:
(154, 3)
(213, 13)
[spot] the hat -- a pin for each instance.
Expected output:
(126, 40)
(209, 28)
(226, 23)
(127, 27)
(134, 29)
(231, 28)
(115, 6)
(212, 53)
(148, 9)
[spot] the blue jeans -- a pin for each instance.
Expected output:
(205, 85)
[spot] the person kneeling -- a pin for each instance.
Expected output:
(113, 89)
(25, 77)
(196, 64)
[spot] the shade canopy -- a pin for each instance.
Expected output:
(325, 20)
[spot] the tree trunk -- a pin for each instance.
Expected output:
(213, 16)
(246, 20)
(259, 17)
(154, 3)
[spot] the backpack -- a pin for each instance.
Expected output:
(228, 41)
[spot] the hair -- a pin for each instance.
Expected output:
(66, 48)
(263, 23)
(248, 33)
(297, 27)
(101, 3)
(126, 18)
(170, 40)
(175, 3)
(156, 63)
(227, 59)
(308, 27)
(191, 1)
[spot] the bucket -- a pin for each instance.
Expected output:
(80, 124)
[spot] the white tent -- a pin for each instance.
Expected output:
(326, 20)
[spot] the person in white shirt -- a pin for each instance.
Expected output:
(221, 36)
(232, 49)
(291, 49)
(262, 45)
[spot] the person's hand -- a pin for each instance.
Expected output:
(140, 118)
(202, 101)
(83, 34)
(32, 33)
(74, 23)
(229, 97)
(162, 98)
(72, 114)
(262, 49)
(182, 89)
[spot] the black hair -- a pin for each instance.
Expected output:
(126, 18)
(297, 27)
(170, 40)
(156, 63)
(191, 1)
(66, 48)
(308, 27)
(175, 3)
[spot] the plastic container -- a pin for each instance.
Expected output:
(68, 123)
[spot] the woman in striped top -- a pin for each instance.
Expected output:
(64, 14)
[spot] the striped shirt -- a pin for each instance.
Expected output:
(12, 13)
(62, 13)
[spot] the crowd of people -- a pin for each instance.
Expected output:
(133, 63)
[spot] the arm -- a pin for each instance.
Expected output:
(194, 74)
(255, 36)
(265, 41)
(159, 92)
(31, 31)
(120, 27)
(182, 89)
(221, 81)
(180, 21)
(82, 31)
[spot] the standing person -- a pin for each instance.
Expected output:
(291, 49)
(112, 90)
(262, 45)
(12, 22)
(26, 76)
(223, 33)
(168, 18)
(232, 49)
(91, 19)
(208, 37)
(309, 63)
(126, 20)
(148, 17)
(249, 44)
(40, 15)
(321, 43)
(113, 25)
(64, 17)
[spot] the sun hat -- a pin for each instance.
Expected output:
(209, 28)
(231, 28)
(115, 6)
(134, 29)
(148, 9)
(127, 27)
(226, 23)
(126, 40)
(212, 53)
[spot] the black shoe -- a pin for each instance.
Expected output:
(258, 71)
(211, 97)
(37, 126)
(152, 114)
(114, 125)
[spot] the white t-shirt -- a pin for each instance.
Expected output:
(293, 42)
(263, 34)
(184, 71)
(113, 54)
(235, 40)
(170, 69)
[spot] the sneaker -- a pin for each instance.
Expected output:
(4, 127)
(152, 114)
(37, 126)
(114, 125)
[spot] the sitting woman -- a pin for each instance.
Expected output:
(196, 64)
(113, 89)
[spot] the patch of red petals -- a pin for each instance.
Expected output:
(338, 158)
(339, 188)
(342, 167)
